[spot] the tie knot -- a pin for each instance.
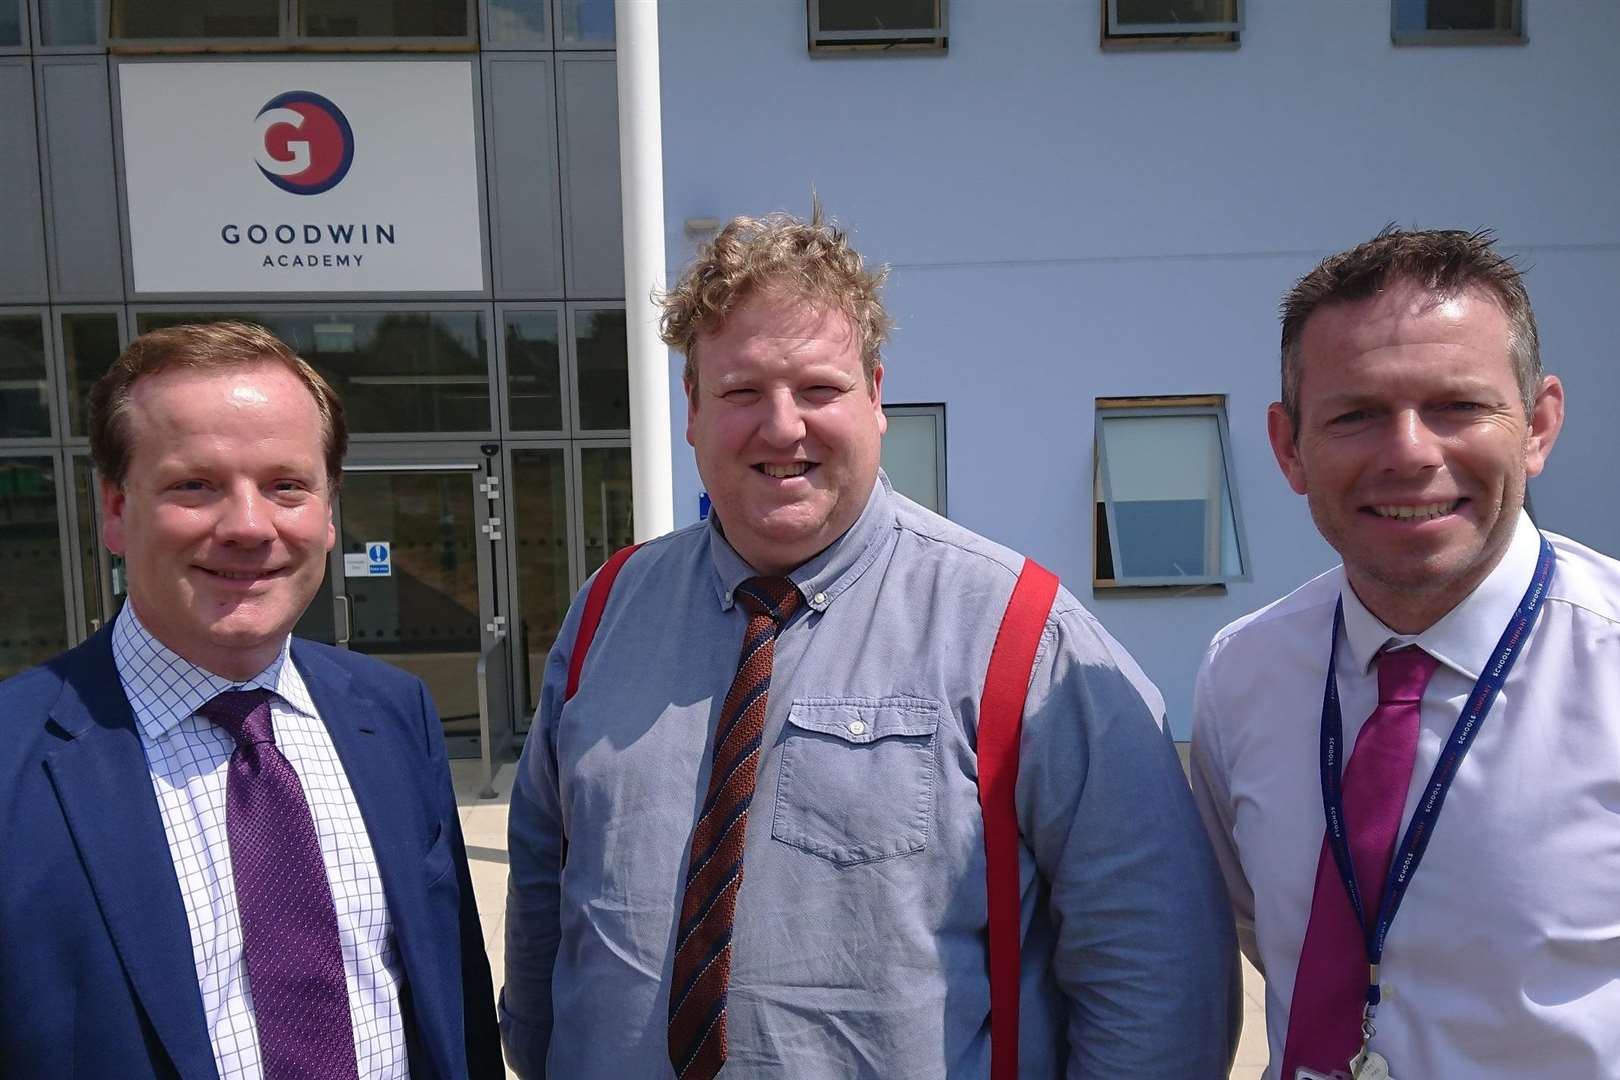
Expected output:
(773, 596)
(244, 714)
(1403, 674)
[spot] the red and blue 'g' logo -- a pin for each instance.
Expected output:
(305, 143)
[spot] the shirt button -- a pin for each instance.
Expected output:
(819, 599)
(857, 727)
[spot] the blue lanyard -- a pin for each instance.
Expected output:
(1421, 828)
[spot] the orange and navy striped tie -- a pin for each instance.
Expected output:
(697, 999)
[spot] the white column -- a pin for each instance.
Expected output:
(641, 173)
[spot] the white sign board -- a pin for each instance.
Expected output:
(356, 564)
(302, 176)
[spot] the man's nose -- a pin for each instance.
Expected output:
(782, 424)
(1411, 445)
(245, 517)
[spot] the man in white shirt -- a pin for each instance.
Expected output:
(1450, 745)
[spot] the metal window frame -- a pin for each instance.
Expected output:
(1148, 407)
(936, 37)
(934, 409)
(1517, 34)
(64, 404)
(288, 38)
(1115, 28)
(97, 47)
(565, 376)
(360, 438)
(53, 380)
(57, 457)
(481, 185)
(519, 669)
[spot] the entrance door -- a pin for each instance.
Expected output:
(412, 582)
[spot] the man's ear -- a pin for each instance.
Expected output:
(877, 399)
(1285, 444)
(690, 384)
(113, 501)
(1546, 421)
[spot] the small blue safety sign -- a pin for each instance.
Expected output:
(379, 558)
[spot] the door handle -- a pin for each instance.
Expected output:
(348, 619)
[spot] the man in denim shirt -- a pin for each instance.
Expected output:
(857, 944)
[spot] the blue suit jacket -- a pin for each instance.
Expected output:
(96, 970)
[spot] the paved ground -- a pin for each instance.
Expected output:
(483, 822)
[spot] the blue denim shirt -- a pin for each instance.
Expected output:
(859, 941)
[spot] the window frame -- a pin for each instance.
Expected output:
(1517, 35)
(935, 409)
(935, 39)
(25, 36)
(53, 378)
(36, 11)
(288, 38)
(1112, 27)
(1103, 500)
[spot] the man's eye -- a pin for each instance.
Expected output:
(1463, 406)
(1352, 417)
(190, 485)
(741, 396)
(823, 394)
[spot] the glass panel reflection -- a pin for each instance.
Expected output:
(534, 371)
(368, 18)
(424, 614)
(396, 371)
(25, 390)
(10, 23)
(587, 22)
(89, 347)
(609, 523)
(514, 21)
(70, 22)
(603, 364)
(33, 620)
(196, 18)
(540, 530)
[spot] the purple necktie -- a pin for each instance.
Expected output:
(1330, 984)
(289, 925)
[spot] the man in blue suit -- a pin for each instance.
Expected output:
(229, 853)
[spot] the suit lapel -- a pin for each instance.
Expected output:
(380, 771)
(104, 785)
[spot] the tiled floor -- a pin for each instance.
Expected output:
(483, 823)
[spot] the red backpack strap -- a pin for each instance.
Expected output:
(1001, 721)
(595, 601)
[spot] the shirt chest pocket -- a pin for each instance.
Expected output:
(856, 778)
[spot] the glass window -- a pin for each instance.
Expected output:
(380, 19)
(605, 476)
(25, 388)
(397, 371)
(534, 370)
(602, 364)
(89, 347)
(1165, 510)
(540, 530)
(516, 21)
(914, 453)
(10, 24)
(877, 24)
(33, 620)
(587, 23)
(1436, 22)
(159, 19)
(70, 22)
(89, 553)
(1164, 23)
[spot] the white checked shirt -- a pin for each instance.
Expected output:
(188, 756)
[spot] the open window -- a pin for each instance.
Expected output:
(1165, 500)
(876, 25)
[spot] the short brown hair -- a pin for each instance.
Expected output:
(811, 259)
(1444, 263)
(202, 347)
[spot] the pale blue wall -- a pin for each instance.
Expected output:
(1066, 223)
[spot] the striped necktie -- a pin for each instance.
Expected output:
(702, 973)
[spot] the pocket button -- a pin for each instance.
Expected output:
(857, 727)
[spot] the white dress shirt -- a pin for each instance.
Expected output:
(188, 756)
(1504, 958)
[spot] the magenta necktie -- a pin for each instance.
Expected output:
(1330, 985)
(289, 925)
(702, 970)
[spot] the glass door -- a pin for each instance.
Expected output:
(412, 582)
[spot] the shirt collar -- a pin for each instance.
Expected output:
(1466, 636)
(164, 688)
(822, 579)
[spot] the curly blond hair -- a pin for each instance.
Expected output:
(811, 259)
